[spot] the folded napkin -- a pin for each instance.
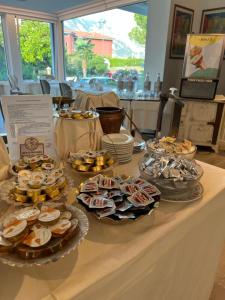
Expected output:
(4, 161)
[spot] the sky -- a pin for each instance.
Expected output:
(116, 23)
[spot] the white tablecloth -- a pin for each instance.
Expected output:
(4, 161)
(75, 135)
(145, 113)
(170, 255)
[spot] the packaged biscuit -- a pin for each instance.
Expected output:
(85, 198)
(140, 198)
(107, 183)
(102, 213)
(89, 186)
(129, 189)
(100, 202)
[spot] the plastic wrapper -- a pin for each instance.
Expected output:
(170, 167)
(127, 200)
(140, 198)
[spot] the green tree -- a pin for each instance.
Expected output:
(3, 69)
(84, 50)
(138, 33)
(97, 65)
(35, 46)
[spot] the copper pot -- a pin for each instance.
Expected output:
(111, 118)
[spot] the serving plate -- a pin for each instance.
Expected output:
(117, 139)
(14, 260)
(6, 195)
(94, 113)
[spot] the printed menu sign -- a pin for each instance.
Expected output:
(203, 56)
(29, 125)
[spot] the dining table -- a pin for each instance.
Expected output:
(171, 254)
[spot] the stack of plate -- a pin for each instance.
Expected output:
(120, 146)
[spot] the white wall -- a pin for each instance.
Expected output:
(158, 21)
(207, 4)
(173, 67)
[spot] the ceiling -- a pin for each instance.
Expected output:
(50, 6)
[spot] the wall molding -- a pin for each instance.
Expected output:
(90, 8)
(69, 13)
(26, 13)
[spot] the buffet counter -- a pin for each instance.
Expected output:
(171, 254)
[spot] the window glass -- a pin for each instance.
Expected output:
(3, 67)
(35, 48)
(106, 46)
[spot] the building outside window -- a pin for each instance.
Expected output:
(36, 48)
(106, 45)
(3, 66)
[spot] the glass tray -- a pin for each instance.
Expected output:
(12, 259)
(7, 186)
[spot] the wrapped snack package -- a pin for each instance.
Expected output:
(118, 198)
(170, 167)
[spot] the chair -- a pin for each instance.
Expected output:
(65, 90)
(45, 86)
(87, 101)
(13, 82)
(149, 133)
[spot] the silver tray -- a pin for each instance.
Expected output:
(12, 259)
(7, 186)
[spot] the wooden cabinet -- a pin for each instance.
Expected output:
(203, 123)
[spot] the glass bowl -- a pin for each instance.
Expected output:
(170, 185)
(189, 155)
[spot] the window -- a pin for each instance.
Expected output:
(3, 67)
(106, 45)
(36, 49)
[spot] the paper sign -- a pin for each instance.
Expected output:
(203, 56)
(29, 125)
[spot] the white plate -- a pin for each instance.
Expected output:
(129, 146)
(118, 146)
(117, 138)
(117, 152)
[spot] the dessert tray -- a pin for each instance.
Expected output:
(36, 186)
(38, 235)
(170, 145)
(90, 163)
(118, 198)
(77, 115)
(34, 163)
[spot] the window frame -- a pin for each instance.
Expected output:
(5, 50)
(97, 9)
(52, 43)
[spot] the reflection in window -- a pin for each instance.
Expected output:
(106, 45)
(35, 49)
(3, 67)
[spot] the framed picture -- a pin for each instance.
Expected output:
(203, 56)
(213, 21)
(182, 25)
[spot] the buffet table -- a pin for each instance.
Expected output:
(171, 254)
